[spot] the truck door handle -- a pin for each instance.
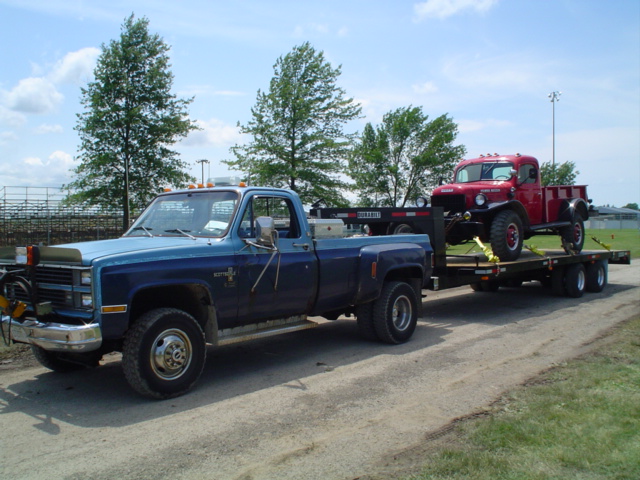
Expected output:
(303, 245)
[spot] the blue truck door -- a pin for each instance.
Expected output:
(288, 284)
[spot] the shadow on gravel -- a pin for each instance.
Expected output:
(101, 397)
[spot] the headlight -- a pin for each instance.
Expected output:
(85, 277)
(21, 255)
(421, 202)
(87, 300)
(481, 199)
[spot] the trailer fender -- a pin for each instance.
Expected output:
(381, 263)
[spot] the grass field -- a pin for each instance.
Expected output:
(615, 239)
(577, 421)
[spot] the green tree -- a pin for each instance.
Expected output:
(297, 129)
(632, 206)
(561, 174)
(404, 157)
(129, 122)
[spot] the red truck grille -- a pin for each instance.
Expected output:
(450, 203)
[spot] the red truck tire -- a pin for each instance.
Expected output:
(507, 235)
(573, 235)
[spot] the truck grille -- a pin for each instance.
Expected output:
(450, 203)
(60, 286)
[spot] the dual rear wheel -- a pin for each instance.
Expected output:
(392, 317)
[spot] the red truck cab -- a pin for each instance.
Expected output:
(499, 198)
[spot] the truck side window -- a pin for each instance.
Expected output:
(278, 208)
(527, 174)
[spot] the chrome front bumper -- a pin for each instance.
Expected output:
(55, 337)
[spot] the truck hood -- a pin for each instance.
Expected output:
(489, 188)
(86, 253)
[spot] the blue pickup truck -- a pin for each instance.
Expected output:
(206, 266)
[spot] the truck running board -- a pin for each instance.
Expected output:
(264, 329)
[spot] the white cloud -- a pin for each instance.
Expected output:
(55, 170)
(7, 137)
(214, 133)
(75, 67)
(33, 95)
(38, 94)
(505, 73)
(9, 118)
(446, 8)
(46, 128)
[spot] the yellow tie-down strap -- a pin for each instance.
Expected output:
(14, 309)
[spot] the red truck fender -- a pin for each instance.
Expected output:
(571, 206)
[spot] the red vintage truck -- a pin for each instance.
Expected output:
(499, 198)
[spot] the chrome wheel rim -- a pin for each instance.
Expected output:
(401, 313)
(171, 354)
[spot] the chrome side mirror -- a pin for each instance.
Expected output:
(265, 232)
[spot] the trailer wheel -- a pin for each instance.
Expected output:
(575, 280)
(364, 317)
(573, 235)
(55, 360)
(597, 276)
(395, 313)
(506, 235)
(400, 229)
(164, 353)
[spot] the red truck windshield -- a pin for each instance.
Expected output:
(484, 171)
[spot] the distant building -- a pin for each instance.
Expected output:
(614, 218)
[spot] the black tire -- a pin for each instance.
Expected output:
(597, 276)
(575, 280)
(164, 353)
(573, 236)
(395, 313)
(401, 229)
(364, 316)
(507, 235)
(55, 361)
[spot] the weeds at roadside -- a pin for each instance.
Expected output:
(577, 420)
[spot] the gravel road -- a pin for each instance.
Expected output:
(317, 404)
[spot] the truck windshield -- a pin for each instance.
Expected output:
(190, 214)
(484, 171)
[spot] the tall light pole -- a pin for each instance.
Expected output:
(555, 97)
(202, 162)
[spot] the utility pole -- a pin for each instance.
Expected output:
(202, 162)
(555, 97)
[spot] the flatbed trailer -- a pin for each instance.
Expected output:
(566, 274)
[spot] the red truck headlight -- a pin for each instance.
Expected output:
(481, 199)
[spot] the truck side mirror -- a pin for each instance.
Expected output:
(265, 232)
(513, 172)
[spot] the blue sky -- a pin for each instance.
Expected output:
(489, 64)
